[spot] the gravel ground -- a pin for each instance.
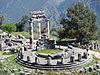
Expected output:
(96, 54)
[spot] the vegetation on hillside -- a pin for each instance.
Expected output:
(80, 24)
(10, 27)
(22, 25)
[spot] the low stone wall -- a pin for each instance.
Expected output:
(55, 67)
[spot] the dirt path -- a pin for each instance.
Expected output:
(96, 54)
(4, 56)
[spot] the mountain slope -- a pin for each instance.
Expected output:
(55, 9)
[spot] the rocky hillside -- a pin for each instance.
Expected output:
(14, 9)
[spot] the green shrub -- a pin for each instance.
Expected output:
(10, 27)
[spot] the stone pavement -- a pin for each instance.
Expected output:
(96, 54)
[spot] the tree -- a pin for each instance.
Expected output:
(1, 20)
(21, 26)
(81, 23)
(99, 36)
(10, 27)
(61, 33)
(53, 29)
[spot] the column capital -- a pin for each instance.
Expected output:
(46, 19)
(30, 20)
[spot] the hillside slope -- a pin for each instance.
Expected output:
(55, 9)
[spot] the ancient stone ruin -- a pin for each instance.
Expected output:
(69, 57)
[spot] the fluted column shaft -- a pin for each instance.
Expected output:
(48, 28)
(31, 33)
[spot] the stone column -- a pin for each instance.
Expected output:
(25, 49)
(79, 57)
(0, 36)
(97, 47)
(62, 59)
(92, 46)
(1, 46)
(22, 49)
(97, 66)
(21, 55)
(36, 60)
(39, 31)
(90, 68)
(31, 33)
(28, 58)
(49, 60)
(72, 59)
(18, 54)
(48, 27)
(85, 55)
